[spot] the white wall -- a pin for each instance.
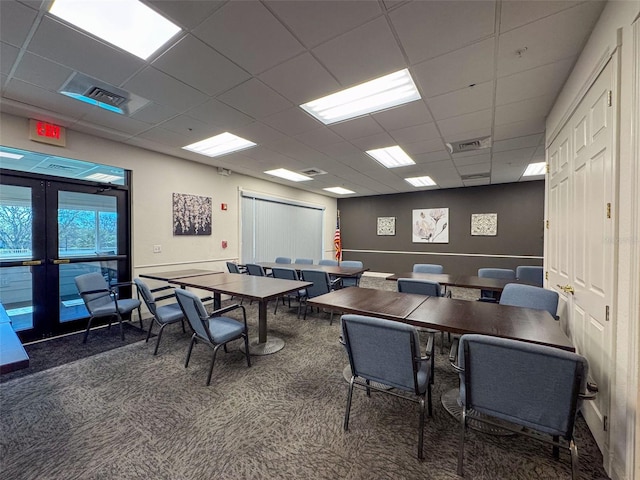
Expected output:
(155, 177)
(617, 34)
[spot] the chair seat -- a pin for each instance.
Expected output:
(125, 306)
(169, 313)
(224, 329)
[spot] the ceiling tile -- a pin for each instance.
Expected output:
(516, 143)
(313, 22)
(507, 174)
(460, 102)
(8, 55)
(261, 43)
(514, 157)
(357, 128)
(425, 146)
(217, 113)
(484, 158)
(115, 121)
(430, 157)
(211, 73)
(255, 99)
(159, 87)
(292, 121)
(193, 130)
(407, 115)
(379, 140)
(165, 137)
(186, 13)
(417, 133)
(474, 168)
(59, 43)
(519, 129)
(260, 133)
(524, 110)
(362, 54)
(301, 79)
(429, 29)
(153, 113)
(319, 136)
(16, 21)
(456, 70)
(42, 72)
(517, 14)
(465, 123)
(338, 150)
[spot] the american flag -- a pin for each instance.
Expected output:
(337, 241)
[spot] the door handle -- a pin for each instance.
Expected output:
(566, 288)
(31, 263)
(60, 261)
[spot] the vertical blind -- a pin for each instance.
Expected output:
(273, 227)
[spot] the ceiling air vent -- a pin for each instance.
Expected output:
(469, 145)
(105, 96)
(312, 172)
(475, 176)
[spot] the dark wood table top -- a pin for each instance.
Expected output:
(450, 315)
(370, 301)
(246, 286)
(166, 276)
(464, 316)
(331, 270)
(464, 281)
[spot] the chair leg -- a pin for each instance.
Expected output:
(463, 426)
(150, 328)
(246, 349)
(574, 460)
(140, 318)
(429, 399)
(121, 326)
(275, 310)
(86, 333)
(213, 360)
(193, 340)
(348, 410)
(556, 449)
(184, 330)
(421, 428)
(155, 351)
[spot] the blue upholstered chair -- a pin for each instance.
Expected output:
(423, 287)
(427, 268)
(163, 315)
(503, 273)
(529, 296)
(533, 275)
(353, 281)
(329, 262)
(300, 295)
(388, 353)
(255, 270)
(283, 260)
(212, 329)
(101, 300)
(234, 268)
(304, 261)
(321, 285)
(537, 387)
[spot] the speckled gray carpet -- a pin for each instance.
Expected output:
(125, 414)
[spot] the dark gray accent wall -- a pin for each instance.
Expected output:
(520, 209)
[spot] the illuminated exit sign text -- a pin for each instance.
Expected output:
(45, 132)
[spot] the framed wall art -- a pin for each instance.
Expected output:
(386, 226)
(430, 225)
(484, 224)
(191, 214)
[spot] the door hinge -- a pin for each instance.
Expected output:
(605, 423)
(608, 210)
(606, 313)
(547, 224)
(546, 275)
(548, 168)
(610, 98)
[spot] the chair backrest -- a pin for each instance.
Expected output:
(254, 269)
(355, 280)
(329, 262)
(283, 260)
(505, 273)
(382, 351)
(91, 282)
(427, 268)
(233, 267)
(285, 273)
(421, 287)
(530, 297)
(147, 296)
(194, 312)
(530, 274)
(304, 261)
(537, 386)
(321, 282)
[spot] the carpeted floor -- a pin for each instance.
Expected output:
(125, 414)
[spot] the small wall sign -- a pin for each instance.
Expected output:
(45, 132)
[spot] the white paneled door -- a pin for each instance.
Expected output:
(580, 248)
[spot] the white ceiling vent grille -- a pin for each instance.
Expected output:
(475, 176)
(469, 145)
(105, 96)
(312, 172)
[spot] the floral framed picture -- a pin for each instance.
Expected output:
(191, 214)
(484, 224)
(386, 226)
(430, 225)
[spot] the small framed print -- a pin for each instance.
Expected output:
(386, 225)
(484, 224)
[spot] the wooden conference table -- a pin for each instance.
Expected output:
(449, 315)
(260, 289)
(464, 281)
(336, 271)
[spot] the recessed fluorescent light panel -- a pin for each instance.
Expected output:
(288, 175)
(425, 181)
(12, 156)
(339, 190)
(391, 157)
(127, 24)
(220, 145)
(379, 94)
(534, 169)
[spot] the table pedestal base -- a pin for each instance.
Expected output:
(346, 373)
(272, 345)
(450, 403)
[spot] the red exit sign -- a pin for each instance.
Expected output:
(45, 132)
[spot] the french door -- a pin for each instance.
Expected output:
(51, 231)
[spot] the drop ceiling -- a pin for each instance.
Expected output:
(483, 68)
